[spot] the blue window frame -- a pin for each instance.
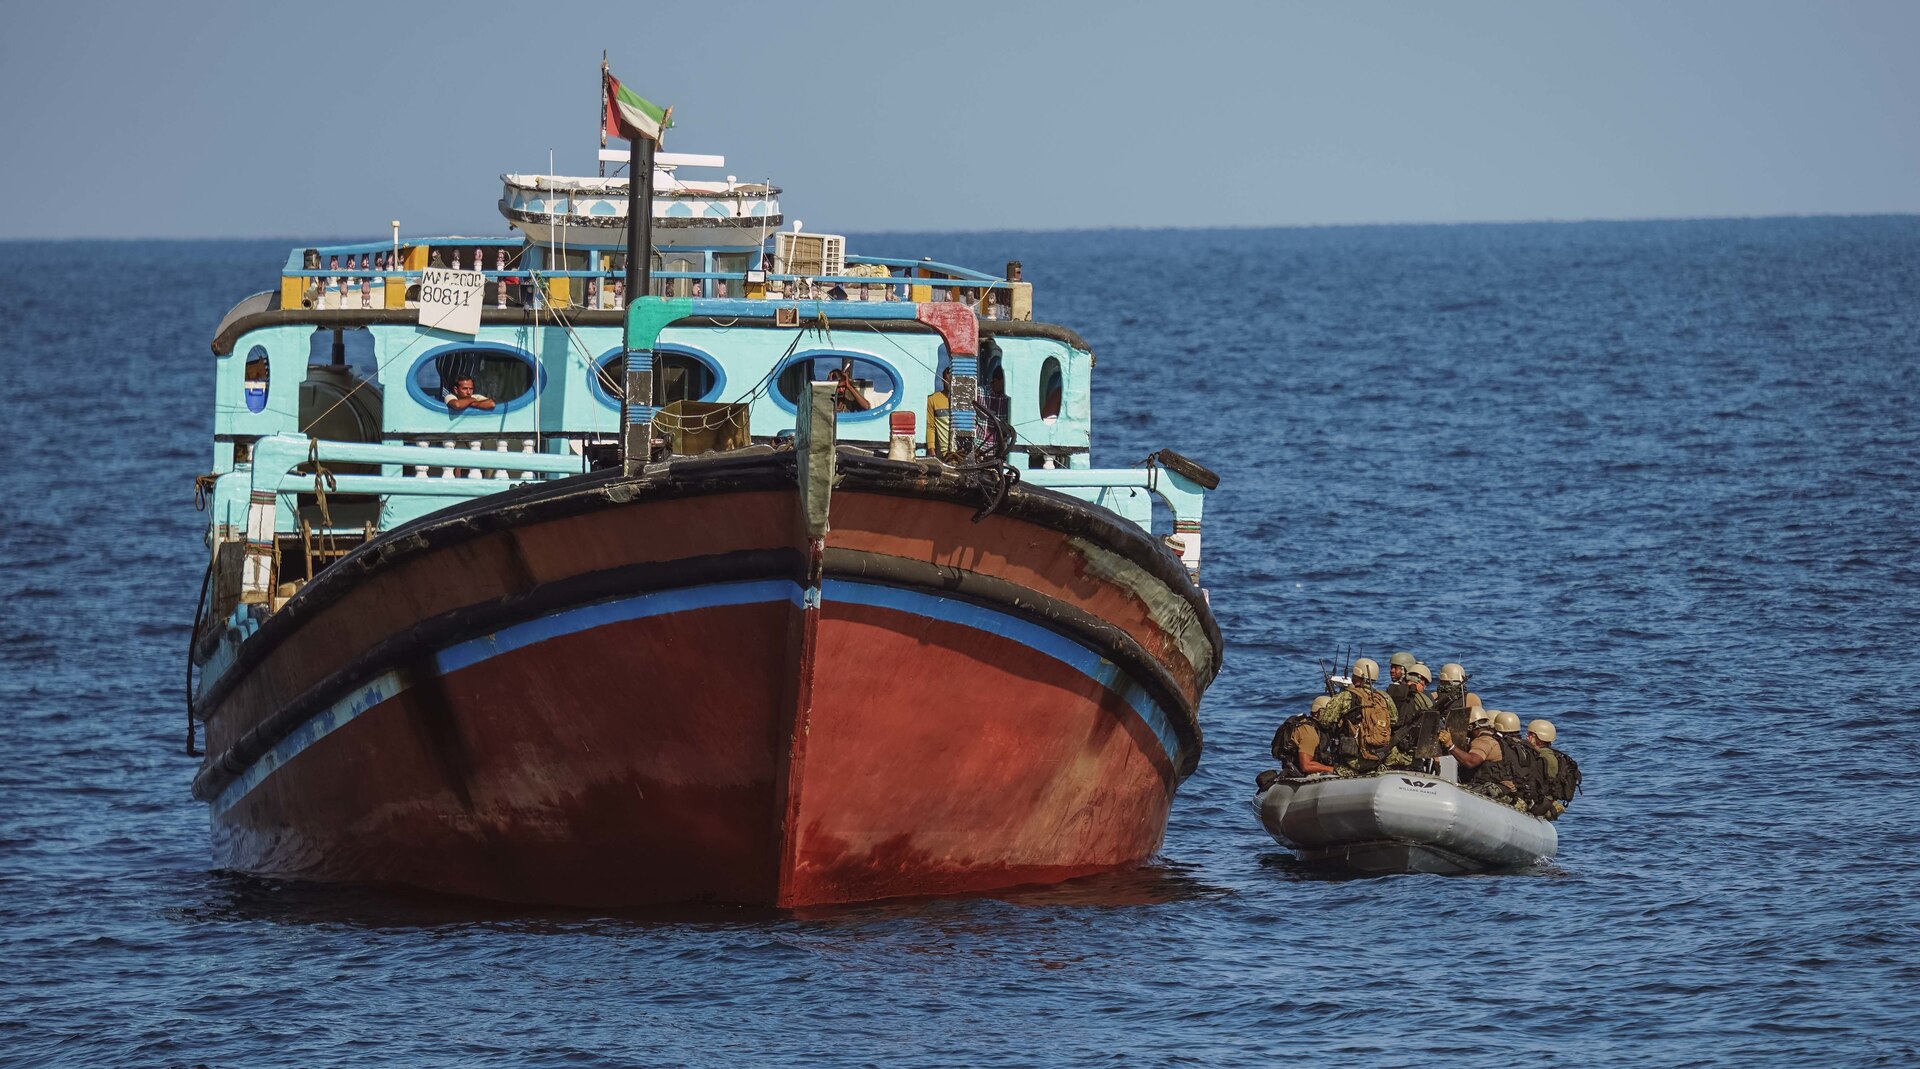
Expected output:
(877, 380)
(684, 373)
(1053, 388)
(256, 378)
(509, 375)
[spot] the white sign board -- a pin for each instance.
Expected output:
(450, 300)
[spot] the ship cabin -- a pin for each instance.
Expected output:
(339, 415)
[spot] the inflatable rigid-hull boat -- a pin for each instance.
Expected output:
(1393, 822)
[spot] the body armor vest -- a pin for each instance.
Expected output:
(1520, 765)
(1328, 752)
(1563, 775)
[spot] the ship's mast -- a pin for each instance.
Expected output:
(636, 396)
(639, 218)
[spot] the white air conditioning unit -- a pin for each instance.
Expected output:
(809, 255)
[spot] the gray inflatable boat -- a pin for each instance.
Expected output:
(1401, 822)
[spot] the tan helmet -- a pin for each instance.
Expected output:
(1422, 671)
(1478, 717)
(1366, 668)
(1452, 673)
(1473, 701)
(1542, 730)
(1403, 659)
(1506, 723)
(1320, 703)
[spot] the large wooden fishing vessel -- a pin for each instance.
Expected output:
(787, 581)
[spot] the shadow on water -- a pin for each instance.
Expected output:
(1295, 868)
(1150, 885)
(239, 897)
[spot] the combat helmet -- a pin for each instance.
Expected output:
(1542, 730)
(1453, 673)
(1478, 717)
(1319, 703)
(1506, 723)
(1367, 669)
(1403, 659)
(1420, 669)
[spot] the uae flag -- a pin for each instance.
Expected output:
(633, 117)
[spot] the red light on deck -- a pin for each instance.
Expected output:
(901, 423)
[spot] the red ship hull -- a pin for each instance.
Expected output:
(656, 689)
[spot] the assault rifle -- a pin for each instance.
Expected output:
(1335, 683)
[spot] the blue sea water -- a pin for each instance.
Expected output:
(1656, 481)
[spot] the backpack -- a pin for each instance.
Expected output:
(1282, 739)
(1335, 745)
(1523, 766)
(1529, 773)
(1375, 720)
(1565, 783)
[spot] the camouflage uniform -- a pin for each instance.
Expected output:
(1368, 717)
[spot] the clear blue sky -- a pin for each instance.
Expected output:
(326, 118)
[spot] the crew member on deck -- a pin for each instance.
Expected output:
(940, 418)
(847, 396)
(463, 397)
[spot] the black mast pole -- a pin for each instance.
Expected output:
(636, 399)
(639, 217)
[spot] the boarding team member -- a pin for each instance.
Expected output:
(1303, 742)
(1366, 714)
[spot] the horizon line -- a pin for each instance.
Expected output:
(885, 232)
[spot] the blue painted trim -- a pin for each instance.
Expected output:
(599, 389)
(1033, 636)
(586, 617)
(519, 636)
(257, 392)
(964, 274)
(500, 407)
(809, 310)
(467, 654)
(317, 727)
(893, 400)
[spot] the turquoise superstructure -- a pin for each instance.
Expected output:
(331, 397)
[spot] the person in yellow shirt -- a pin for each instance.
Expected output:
(940, 418)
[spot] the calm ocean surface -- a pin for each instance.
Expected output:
(1659, 482)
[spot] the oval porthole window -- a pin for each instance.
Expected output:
(490, 378)
(863, 385)
(1052, 389)
(258, 378)
(678, 375)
